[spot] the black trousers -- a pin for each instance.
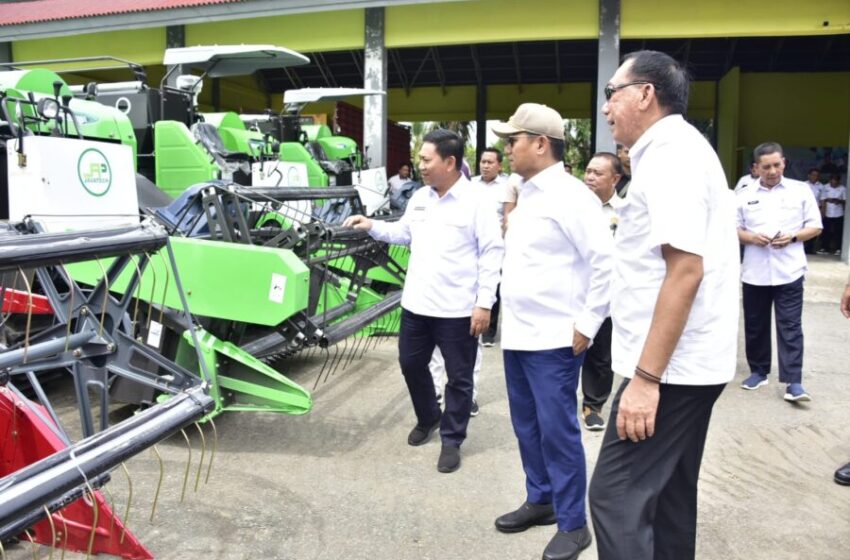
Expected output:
(643, 496)
(418, 336)
(490, 334)
(597, 378)
(787, 302)
(811, 246)
(833, 228)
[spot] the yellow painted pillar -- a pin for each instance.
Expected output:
(728, 108)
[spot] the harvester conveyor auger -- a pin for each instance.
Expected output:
(93, 336)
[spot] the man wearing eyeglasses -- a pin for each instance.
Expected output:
(555, 278)
(674, 305)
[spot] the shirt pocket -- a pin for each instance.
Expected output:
(418, 223)
(792, 215)
(756, 216)
(453, 232)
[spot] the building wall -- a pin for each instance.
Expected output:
(795, 109)
(143, 46)
(469, 22)
(322, 31)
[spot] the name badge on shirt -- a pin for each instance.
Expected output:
(419, 208)
(753, 202)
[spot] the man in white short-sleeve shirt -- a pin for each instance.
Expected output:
(675, 311)
(747, 179)
(813, 181)
(834, 197)
(775, 216)
(397, 181)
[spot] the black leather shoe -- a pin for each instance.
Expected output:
(528, 515)
(567, 545)
(420, 435)
(842, 475)
(449, 460)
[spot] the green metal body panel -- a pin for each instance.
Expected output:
(179, 161)
(338, 147)
(335, 147)
(244, 141)
(37, 80)
(235, 135)
(316, 131)
(99, 121)
(248, 385)
(227, 119)
(96, 121)
(296, 152)
(216, 279)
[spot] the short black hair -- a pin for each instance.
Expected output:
(496, 151)
(558, 148)
(767, 148)
(447, 143)
(671, 80)
(815, 170)
(615, 162)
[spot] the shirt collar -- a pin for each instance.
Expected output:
(614, 202)
(498, 179)
(658, 128)
(548, 176)
(761, 187)
(457, 191)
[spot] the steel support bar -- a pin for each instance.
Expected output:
(357, 322)
(48, 480)
(44, 249)
(37, 351)
(285, 194)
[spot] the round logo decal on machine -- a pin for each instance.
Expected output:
(94, 172)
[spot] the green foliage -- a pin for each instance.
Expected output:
(578, 150)
(420, 129)
(579, 146)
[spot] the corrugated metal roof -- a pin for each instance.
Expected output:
(37, 11)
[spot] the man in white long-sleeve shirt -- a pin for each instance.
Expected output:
(555, 297)
(455, 255)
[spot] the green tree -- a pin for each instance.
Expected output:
(420, 129)
(579, 147)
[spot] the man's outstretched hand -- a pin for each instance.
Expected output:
(358, 222)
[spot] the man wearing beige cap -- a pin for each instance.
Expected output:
(554, 298)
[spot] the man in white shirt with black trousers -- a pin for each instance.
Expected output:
(555, 296)
(674, 304)
(776, 215)
(456, 252)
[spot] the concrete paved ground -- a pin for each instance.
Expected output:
(341, 482)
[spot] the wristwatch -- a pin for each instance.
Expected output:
(794, 238)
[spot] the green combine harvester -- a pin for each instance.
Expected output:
(265, 273)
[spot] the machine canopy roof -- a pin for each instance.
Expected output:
(309, 95)
(220, 61)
